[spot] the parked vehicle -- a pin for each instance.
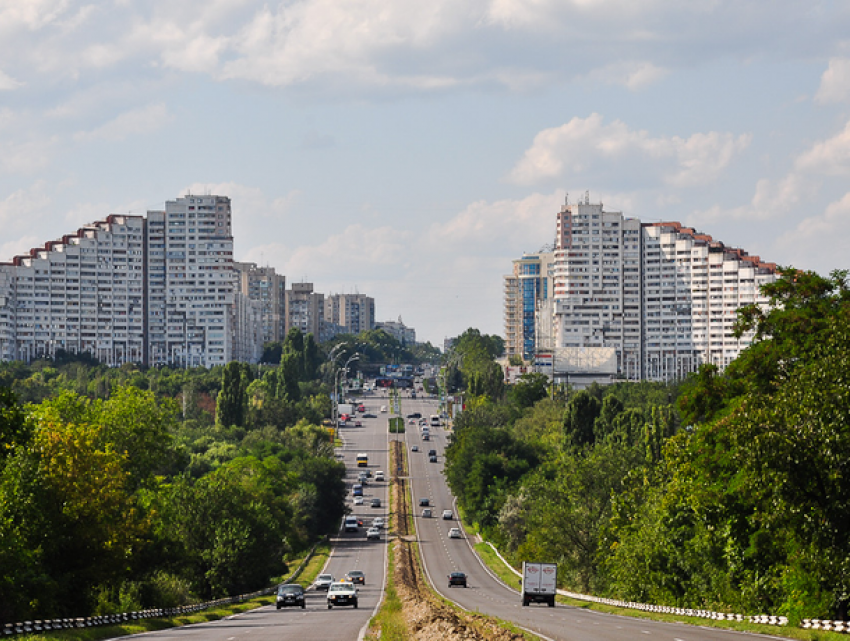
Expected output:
(290, 594)
(539, 583)
(342, 593)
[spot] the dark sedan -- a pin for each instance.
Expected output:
(290, 594)
(457, 578)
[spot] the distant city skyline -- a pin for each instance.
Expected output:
(412, 151)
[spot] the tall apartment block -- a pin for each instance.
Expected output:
(529, 284)
(268, 288)
(304, 309)
(153, 290)
(354, 312)
(662, 296)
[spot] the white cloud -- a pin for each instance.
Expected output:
(830, 157)
(835, 82)
(819, 242)
(584, 144)
(131, 123)
(7, 83)
(19, 211)
(633, 75)
(483, 226)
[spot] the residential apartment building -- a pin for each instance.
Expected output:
(304, 309)
(354, 312)
(155, 289)
(397, 329)
(530, 283)
(268, 288)
(663, 298)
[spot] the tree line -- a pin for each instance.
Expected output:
(127, 488)
(728, 491)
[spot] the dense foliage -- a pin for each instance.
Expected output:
(731, 491)
(123, 488)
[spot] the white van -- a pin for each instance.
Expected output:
(351, 524)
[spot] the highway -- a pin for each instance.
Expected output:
(440, 555)
(486, 594)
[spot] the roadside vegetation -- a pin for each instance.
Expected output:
(125, 489)
(729, 491)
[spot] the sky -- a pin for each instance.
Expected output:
(411, 150)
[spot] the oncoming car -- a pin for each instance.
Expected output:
(290, 594)
(342, 593)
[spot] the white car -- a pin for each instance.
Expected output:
(448, 515)
(383, 408)
(454, 533)
(323, 581)
(358, 500)
(379, 475)
(342, 593)
(373, 533)
(378, 522)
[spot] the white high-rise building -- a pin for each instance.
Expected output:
(660, 299)
(151, 290)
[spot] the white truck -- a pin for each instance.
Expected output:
(539, 583)
(345, 408)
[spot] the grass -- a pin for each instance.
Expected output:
(389, 624)
(495, 564)
(306, 576)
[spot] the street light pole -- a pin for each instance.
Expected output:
(344, 368)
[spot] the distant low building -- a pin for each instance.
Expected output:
(398, 330)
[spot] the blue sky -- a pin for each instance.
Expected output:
(411, 150)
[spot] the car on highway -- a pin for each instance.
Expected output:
(323, 582)
(415, 448)
(358, 424)
(432, 452)
(351, 524)
(373, 534)
(358, 500)
(426, 513)
(357, 490)
(369, 415)
(432, 458)
(457, 578)
(415, 415)
(356, 576)
(290, 594)
(448, 515)
(376, 502)
(342, 593)
(424, 502)
(378, 522)
(383, 408)
(454, 533)
(412, 421)
(379, 475)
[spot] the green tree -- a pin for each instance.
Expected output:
(232, 399)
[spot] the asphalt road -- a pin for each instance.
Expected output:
(486, 594)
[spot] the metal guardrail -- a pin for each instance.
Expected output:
(766, 619)
(44, 625)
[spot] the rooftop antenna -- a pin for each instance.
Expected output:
(587, 197)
